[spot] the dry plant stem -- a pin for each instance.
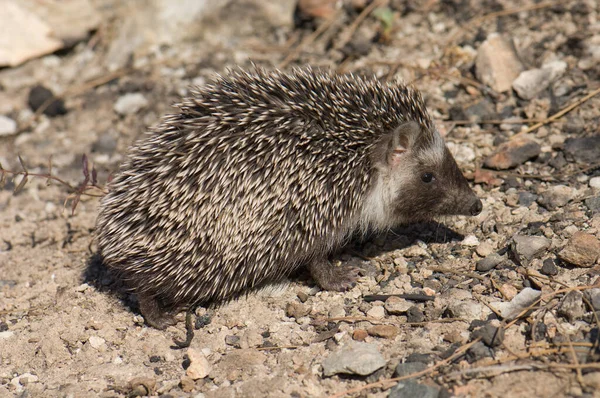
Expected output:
(510, 11)
(438, 72)
(558, 114)
(89, 182)
(352, 319)
(458, 353)
(54, 178)
(512, 368)
(477, 21)
(575, 361)
(547, 177)
(546, 297)
(309, 39)
(359, 19)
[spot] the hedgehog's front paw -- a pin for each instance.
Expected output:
(330, 277)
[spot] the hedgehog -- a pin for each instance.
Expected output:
(261, 172)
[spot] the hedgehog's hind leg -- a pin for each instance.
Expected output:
(330, 277)
(153, 313)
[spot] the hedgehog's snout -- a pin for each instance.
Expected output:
(476, 207)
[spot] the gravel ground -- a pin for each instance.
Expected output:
(502, 304)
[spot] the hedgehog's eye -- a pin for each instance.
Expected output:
(427, 177)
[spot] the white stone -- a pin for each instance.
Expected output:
(27, 378)
(532, 82)
(376, 312)
(595, 182)
(470, 240)
(130, 103)
(7, 126)
(199, 367)
(96, 342)
(522, 301)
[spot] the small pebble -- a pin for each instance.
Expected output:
(106, 143)
(199, 367)
(466, 310)
(488, 263)
(82, 288)
(508, 291)
(595, 182)
(96, 342)
(513, 153)
(479, 351)
(470, 240)
(296, 310)
(407, 368)
(39, 95)
(530, 247)
(582, 250)
(232, 340)
(526, 199)
(359, 335)
(385, 331)
(510, 310)
(492, 334)
(376, 312)
(187, 384)
(396, 305)
(556, 196)
(420, 357)
(337, 311)
(594, 298)
(549, 267)
(412, 389)
(142, 386)
(584, 150)
(484, 249)
(571, 307)
(7, 126)
(592, 380)
(130, 103)
(415, 314)
(302, 296)
(593, 204)
(354, 358)
(532, 82)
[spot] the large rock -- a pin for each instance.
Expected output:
(582, 250)
(25, 35)
(34, 28)
(497, 64)
(513, 153)
(583, 149)
(532, 82)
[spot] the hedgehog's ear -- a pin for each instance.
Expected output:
(401, 141)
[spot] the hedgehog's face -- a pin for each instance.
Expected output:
(418, 179)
